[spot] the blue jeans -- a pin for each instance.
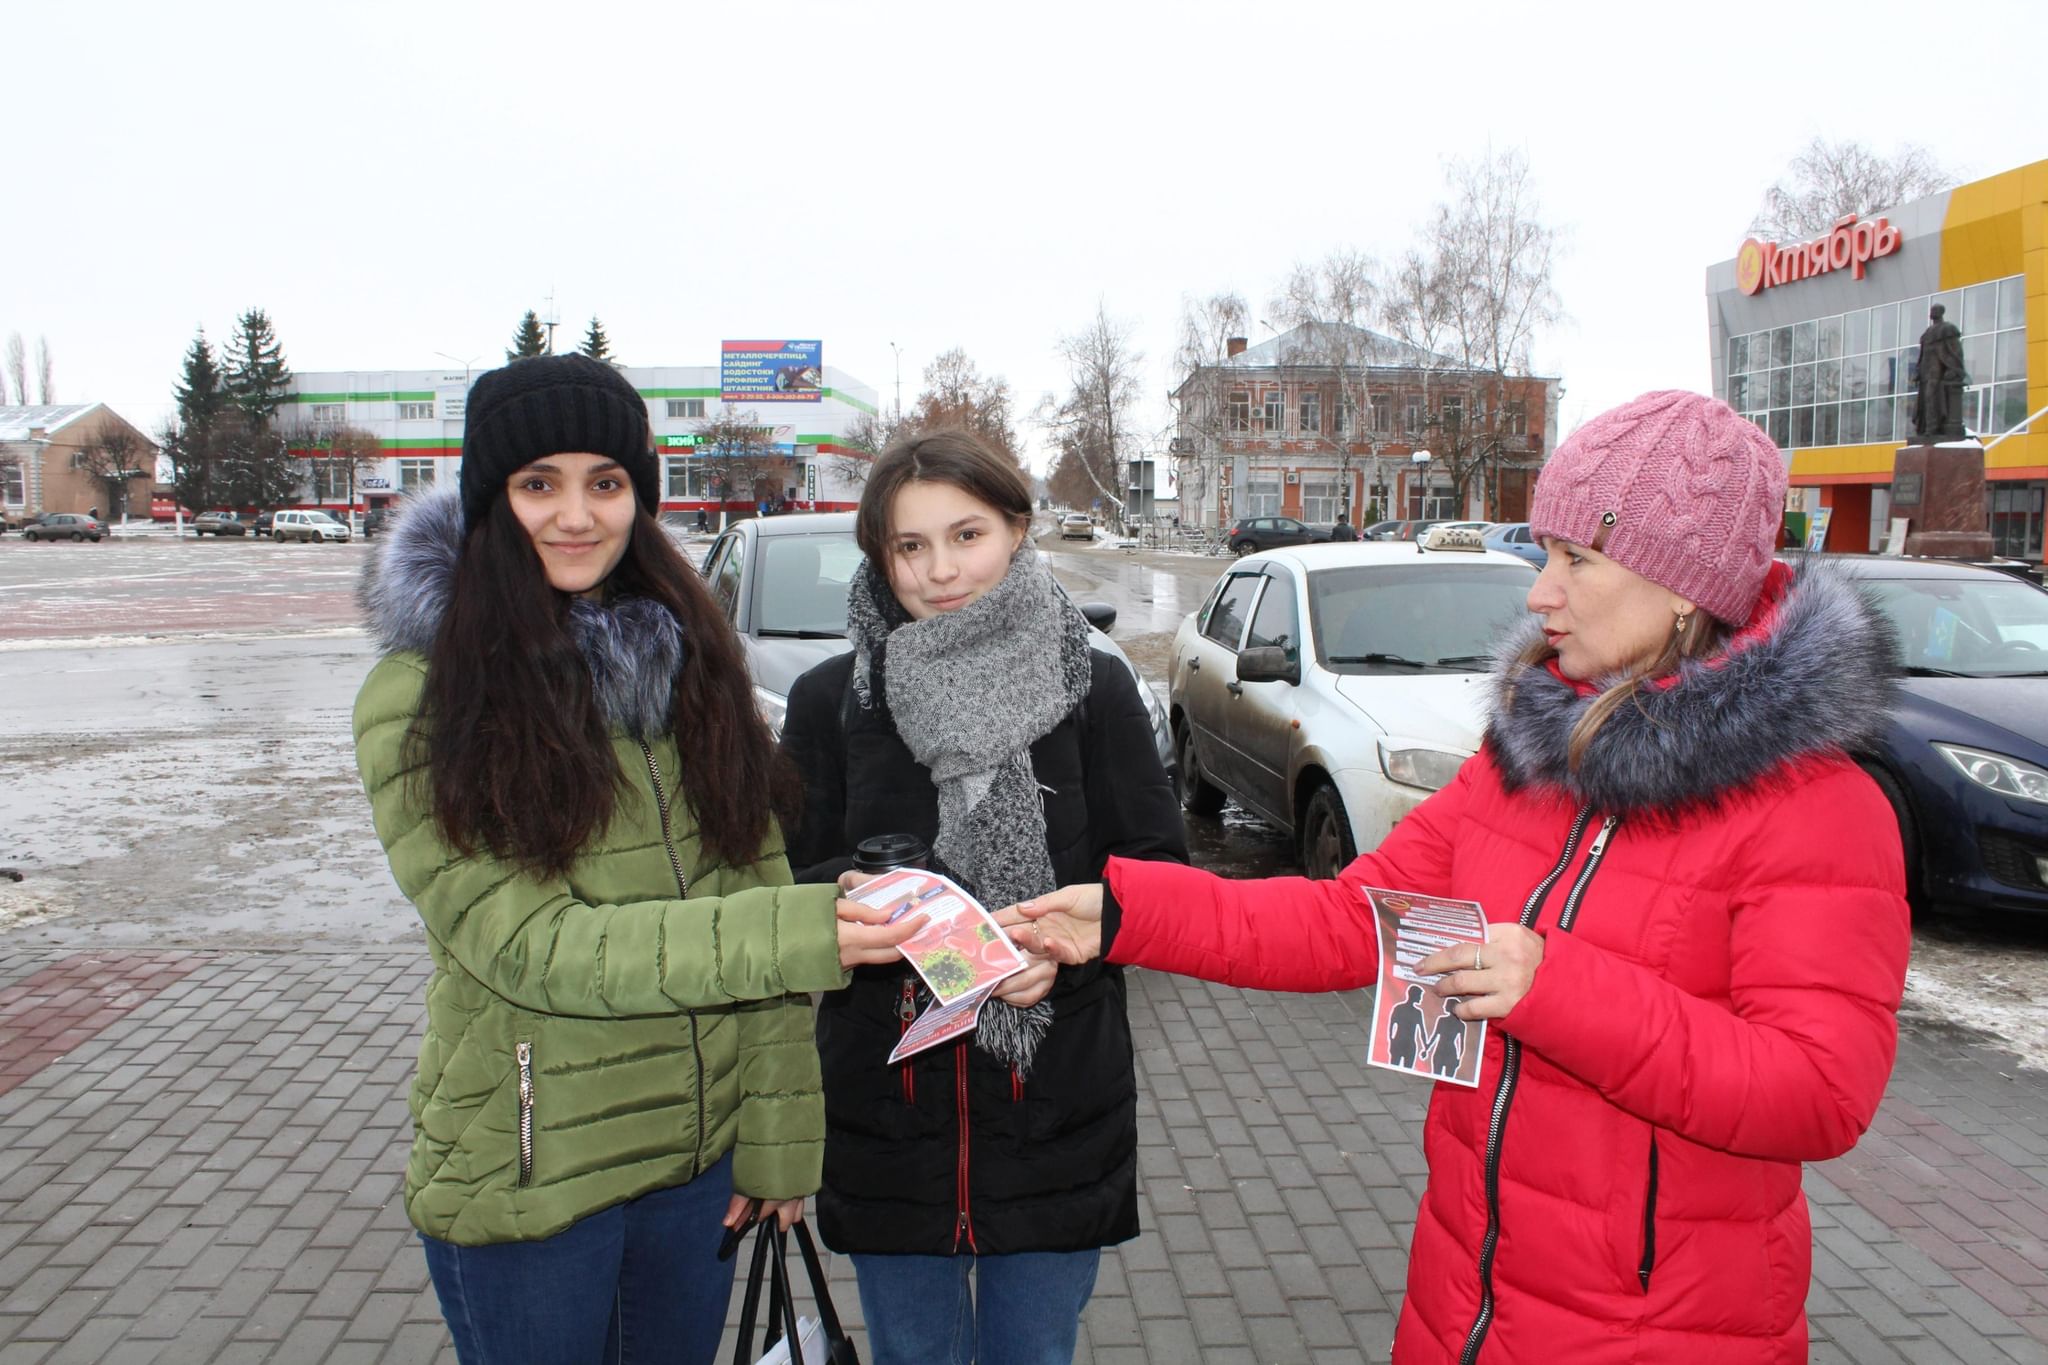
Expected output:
(1024, 1309)
(639, 1281)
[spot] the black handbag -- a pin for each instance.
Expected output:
(770, 1262)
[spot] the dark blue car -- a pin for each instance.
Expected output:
(1965, 760)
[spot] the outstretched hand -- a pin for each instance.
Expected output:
(1064, 925)
(866, 936)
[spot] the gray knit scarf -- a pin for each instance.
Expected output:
(969, 691)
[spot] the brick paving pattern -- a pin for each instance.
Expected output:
(202, 1164)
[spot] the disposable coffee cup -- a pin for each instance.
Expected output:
(887, 852)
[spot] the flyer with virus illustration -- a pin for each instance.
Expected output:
(961, 952)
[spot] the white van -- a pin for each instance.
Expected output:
(305, 525)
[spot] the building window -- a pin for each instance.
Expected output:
(1311, 414)
(327, 414)
(1240, 410)
(1347, 416)
(1411, 418)
(1438, 502)
(685, 477)
(1453, 413)
(686, 407)
(415, 412)
(13, 488)
(333, 481)
(1383, 414)
(1272, 415)
(2016, 520)
(1514, 417)
(414, 475)
(1262, 498)
(1318, 501)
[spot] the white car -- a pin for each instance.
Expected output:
(1330, 688)
(314, 526)
(1077, 526)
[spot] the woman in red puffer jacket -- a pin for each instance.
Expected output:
(1698, 929)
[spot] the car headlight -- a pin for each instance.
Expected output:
(2006, 776)
(774, 707)
(1429, 769)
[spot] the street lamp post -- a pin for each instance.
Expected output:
(1420, 462)
(899, 382)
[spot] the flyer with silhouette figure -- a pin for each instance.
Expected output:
(1414, 1030)
(961, 953)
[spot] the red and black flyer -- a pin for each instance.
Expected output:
(1413, 1030)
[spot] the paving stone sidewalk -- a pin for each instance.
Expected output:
(200, 1153)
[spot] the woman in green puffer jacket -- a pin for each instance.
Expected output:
(570, 778)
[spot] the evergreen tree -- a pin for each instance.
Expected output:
(198, 393)
(256, 377)
(529, 340)
(596, 344)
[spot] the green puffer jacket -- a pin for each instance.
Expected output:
(635, 1037)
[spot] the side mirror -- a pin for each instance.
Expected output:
(1267, 663)
(1100, 615)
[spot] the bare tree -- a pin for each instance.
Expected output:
(956, 394)
(1092, 427)
(46, 373)
(1202, 411)
(17, 369)
(1827, 180)
(339, 457)
(113, 456)
(1471, 298)
(1330, 350)
(738, 454)
(866, 437)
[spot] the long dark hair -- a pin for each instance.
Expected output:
(517, 755)
(950, 455)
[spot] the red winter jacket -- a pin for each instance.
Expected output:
(1715, 1003)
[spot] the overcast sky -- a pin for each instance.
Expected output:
(393, 181)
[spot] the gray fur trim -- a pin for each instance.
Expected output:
(1823, 680)
(634, 647)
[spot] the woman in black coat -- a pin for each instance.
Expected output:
(974, 715)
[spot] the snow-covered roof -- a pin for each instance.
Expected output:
(17, 421)
(1320, 343)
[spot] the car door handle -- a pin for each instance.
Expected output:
(1194, 664)
(1236, 687)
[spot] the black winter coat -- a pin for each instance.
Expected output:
(1046, 1164)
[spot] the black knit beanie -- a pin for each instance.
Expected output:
(553, 405)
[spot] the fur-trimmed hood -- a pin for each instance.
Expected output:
(1814, 672)
(634, 647)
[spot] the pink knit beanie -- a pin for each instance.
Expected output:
(1675, 487)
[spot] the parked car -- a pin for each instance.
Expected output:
(307, 525)
(1249, 535)
(1514, 537)
(1381, 530)
(1329, 689)
(12, 521)
(63, 526)
(376, 519)
(260, 528)
(1077, 526)
(1964, 759)
(782, 582)
(219, 524)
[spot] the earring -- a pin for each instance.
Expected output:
(1684, 619)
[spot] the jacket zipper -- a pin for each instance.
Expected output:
(683, 893)
(1511, 1061)
(524, 1052)
(1649, 1261)
(965, 1227)
(906, 1014)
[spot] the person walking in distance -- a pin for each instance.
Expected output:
(568, 772)
(1698, 929)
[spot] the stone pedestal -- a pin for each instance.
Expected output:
(1940, 488)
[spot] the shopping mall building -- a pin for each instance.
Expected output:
(803, 409)
(1816, 341)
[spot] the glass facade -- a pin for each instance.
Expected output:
(1847, 379)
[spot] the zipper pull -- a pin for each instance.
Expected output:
(1600, 840)
(906, 1008)
(524, 1053)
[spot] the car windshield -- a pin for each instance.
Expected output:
(1369, 618)
(803, 584)
(1987, 627)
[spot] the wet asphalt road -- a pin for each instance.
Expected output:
(175, 742)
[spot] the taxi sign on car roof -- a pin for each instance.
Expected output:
(1452, 538)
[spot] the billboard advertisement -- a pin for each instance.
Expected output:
(771, 371)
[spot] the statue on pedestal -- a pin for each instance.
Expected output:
(1938, 405)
